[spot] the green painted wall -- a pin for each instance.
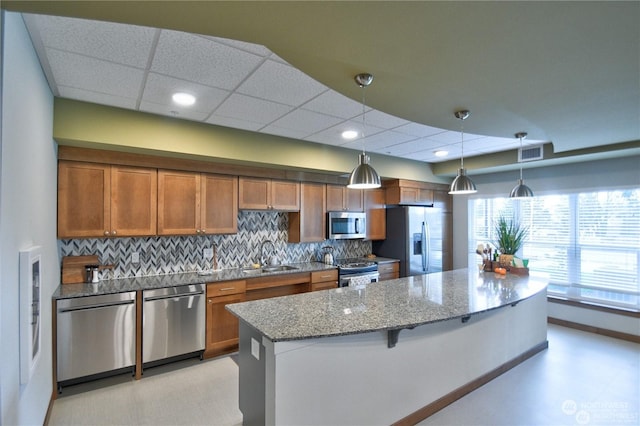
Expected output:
(95, 126)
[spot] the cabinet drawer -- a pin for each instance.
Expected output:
(319, 276)
(387, 268)
(225, 288)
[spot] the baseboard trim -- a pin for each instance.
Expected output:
(439, 404)
(597, 330)
(47, 416)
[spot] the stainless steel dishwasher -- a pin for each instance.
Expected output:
(95, 334)
(173, 322)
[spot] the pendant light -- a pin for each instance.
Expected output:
(521, 190)
(363, 176)
(462, 184)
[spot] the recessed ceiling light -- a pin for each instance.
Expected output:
(349, 134)
(184, 99)
(441, 153)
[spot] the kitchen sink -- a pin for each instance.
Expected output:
(265, 269)
(278, 268)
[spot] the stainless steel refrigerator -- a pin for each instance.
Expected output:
(414, 236)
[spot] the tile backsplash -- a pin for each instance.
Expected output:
(168, 255)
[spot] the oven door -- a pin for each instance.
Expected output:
(355, 280)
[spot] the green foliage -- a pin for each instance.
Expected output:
(510, 235)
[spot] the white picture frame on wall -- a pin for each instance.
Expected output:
(30, 309)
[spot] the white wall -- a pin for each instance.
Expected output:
(588, 176)
(27, 217)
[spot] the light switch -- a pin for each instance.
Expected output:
(207, 253)
(255, 348)
(135, 257)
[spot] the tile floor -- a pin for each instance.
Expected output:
(582, 379)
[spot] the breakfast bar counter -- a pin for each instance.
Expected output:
(384, 352)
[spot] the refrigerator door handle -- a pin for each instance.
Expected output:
(427, 244)
(424, 246)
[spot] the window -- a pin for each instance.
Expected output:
(588, 243)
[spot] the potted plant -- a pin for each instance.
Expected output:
(510, 237)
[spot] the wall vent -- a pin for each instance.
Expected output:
(530, 153)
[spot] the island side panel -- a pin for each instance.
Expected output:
(358, 380)
(252, 375)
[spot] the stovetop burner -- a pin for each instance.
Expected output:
(355, 265)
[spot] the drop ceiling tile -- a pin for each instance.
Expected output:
(256, 49)
(96, 98)
(336, 104)
(413, 146)
(452, 136)
(94, 75)
(159, 89)
(417, 129)
(305, 122)
(281, 83)
(384, 120)
(201, 60)
(234, 123)
(380, 141)
(257, 110)
(173, 111)
(287, 133)
(333, 135)
(120, 43)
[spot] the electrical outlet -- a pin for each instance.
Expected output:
(207, 253)
(135, 257)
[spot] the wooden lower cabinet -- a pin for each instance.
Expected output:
(222, 326)
(389, 270)
(324, 280)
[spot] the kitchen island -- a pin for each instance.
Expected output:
(392, 351)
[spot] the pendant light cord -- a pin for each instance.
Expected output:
(462, 144)
(521, 154)
(363, 113)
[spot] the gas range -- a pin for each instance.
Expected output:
(356, 271)
(355, 266)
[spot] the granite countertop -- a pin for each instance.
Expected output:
(121, 285)
(386, 305)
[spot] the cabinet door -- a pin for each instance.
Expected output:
(178, 203)
(335, 198)
(309, 224)
(376, 214)
(254, 194)
(353, 200)
(219, 200)
(222, 326)
(341, 198)
(134, 201)
(285, 195)
(84, 190)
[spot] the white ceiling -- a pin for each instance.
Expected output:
(237, 84)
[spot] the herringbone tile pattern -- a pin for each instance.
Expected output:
(176, 254)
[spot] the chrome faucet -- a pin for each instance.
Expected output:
(263, 259)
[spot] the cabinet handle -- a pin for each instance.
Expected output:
(113, 232)
(325, 276)
(106, 233)
(210, 301)
(227, 289)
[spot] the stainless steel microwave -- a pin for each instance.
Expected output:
(346, 225)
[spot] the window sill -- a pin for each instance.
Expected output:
(596, 307)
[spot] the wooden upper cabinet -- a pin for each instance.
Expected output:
(443, 200)
(268, 194)
(375, 208)
(341, 198)
(84, 206)
(98, 200)
(219, 204)
(178, 203)
(309, 224)
(402, 191)
(196, 203)
(134, 201)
